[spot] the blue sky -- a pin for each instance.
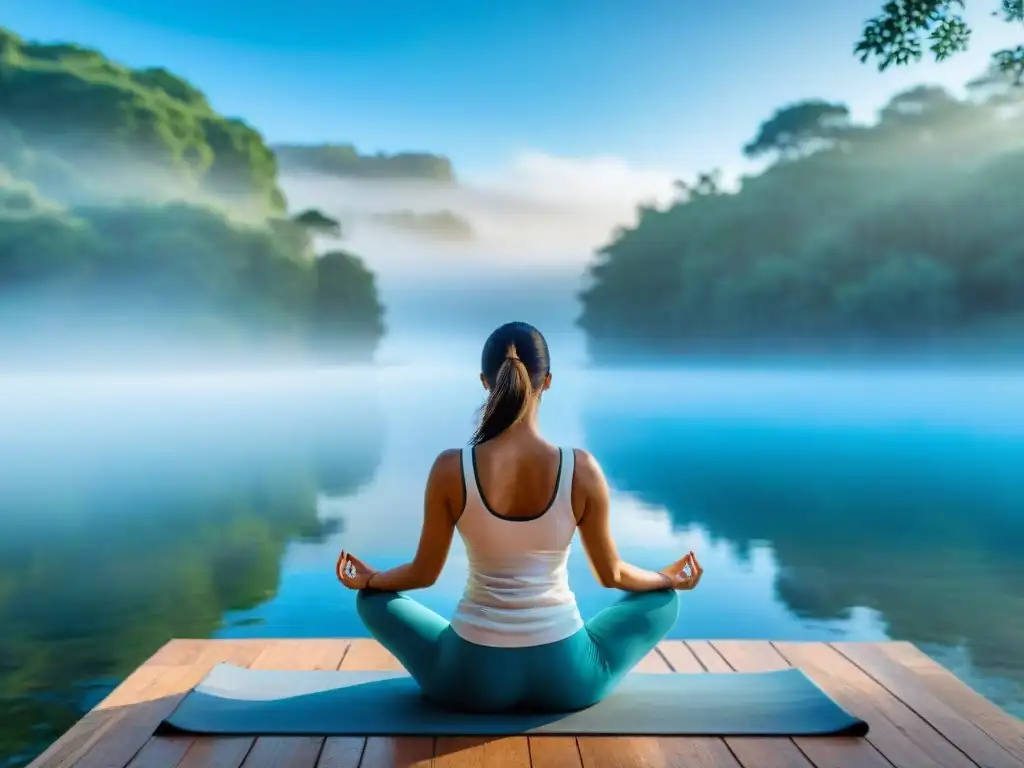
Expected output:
(671, 84)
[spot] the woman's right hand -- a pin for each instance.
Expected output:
(678, 572)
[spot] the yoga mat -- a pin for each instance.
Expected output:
(257, 702)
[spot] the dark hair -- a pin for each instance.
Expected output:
(514, 364)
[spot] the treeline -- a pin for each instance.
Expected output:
(130, 208)
(905, 234)
(440, 225)
(344, 160)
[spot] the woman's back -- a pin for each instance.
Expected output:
(517, 638)
(517, 524)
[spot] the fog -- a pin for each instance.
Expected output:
(529, 229)
(534, 226)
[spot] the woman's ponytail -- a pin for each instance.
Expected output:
(508, 398)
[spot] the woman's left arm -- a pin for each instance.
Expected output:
(442, 503)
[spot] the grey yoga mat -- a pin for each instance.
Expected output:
(235, 700)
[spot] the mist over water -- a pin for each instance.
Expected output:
(533, 232)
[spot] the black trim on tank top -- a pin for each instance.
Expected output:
(462, 479)
(551, 502)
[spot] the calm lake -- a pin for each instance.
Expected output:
(824, 505)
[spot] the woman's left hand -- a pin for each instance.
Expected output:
(353, 572)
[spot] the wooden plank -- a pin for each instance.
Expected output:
(905, 686)
(554, 752)
(751, 752)
(234, 751)
(342, 752)
(651, 752)
(1003, 727)
(220, 752)
(481, 752)
(128, 717)
(823, 752)
(170, 751)
(162, 751)
(284, 752)
(87, 731)
(376, 751)
(180, 652)
(293, 751)
(905, 739)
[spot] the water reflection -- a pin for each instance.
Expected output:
(824, 507)
(915, 514)
(129, 516)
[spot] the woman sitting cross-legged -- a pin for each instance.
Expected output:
(517, 640)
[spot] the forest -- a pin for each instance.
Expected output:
(901, 236)
(345, 161)
(126, 201)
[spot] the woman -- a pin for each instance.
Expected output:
(517, 640)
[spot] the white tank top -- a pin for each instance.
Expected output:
(517, 593)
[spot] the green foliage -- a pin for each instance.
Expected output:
(317, 222)
(904, 234)
(94, 113)
(898, 35)
(443, 225)
(348, 320)
(799, 127)
(181, 270)
(344, 160)
(95, 160)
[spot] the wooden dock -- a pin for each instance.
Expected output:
(921, 716)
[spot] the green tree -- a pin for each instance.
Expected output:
(318, 223)
(348, 319)
(344, 160)
(884, 237)
(442, 225)
(131, 126)
(800, 128)
(129, 207)
(898, 35)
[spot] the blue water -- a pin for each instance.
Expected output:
(824, 506)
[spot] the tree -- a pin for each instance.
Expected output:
(345, 161)
(318, 223)
(898, 35)
(441, 225)
(205, 253)
(708, 183)
(799, 128)
(147, 130)
(348, 319)
(900, 236)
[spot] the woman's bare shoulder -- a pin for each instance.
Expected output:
(448, 464)
(445, 483)
(588, 475)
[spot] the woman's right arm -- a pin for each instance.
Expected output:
(591, 490)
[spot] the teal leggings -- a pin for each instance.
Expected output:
(557, 677)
